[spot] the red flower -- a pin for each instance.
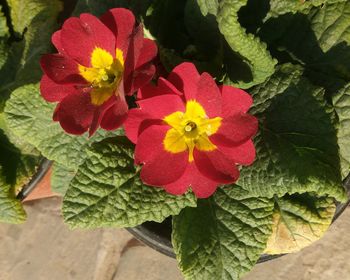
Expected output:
(99, 61)
(190, 133)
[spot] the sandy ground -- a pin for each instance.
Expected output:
(45, 249)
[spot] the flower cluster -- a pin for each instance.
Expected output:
(189, 132)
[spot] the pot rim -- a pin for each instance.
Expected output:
(43, 168)
(163, 245)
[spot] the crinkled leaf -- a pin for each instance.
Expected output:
(208, 6)
(296, 147)
(17, 167)
(263, 94)
(224, 236)
(183, 33)
(319, 40)
(29, 116)
(107, 191)
(18, 142)
(23, 12)
(249, 48)
(341, 102)
(4, 30)
(278, 7)
(34, 23)
(16, 170)
(299, 220)
(61, 177)
(4, 50)
(211, 37)
(11, 210)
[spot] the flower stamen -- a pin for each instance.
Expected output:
(190, 130)
(105, 74)
(190, 126)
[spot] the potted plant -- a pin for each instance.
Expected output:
(228, 116)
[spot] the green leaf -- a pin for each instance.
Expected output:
(184, 34)
(61, 177)
(202, 29)
(224, 236)
(263, 94)
(16, 170)
(298, 221)
(4, 30)
(17, 167)
(33, 23)
(249, 48)
(4, 50)
(319, 40)
(29, 117)
(341, 102)
(11, 210)
(208, 6)
(296, 147)
(107, 191)
(278, 7)
(211, 37)
(19, 143)
(23, 12)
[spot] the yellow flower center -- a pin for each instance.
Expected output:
(105, 74)
(190, 130)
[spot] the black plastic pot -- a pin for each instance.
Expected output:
(37, 177)
(158, 235)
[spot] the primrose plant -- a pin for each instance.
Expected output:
(235, 126)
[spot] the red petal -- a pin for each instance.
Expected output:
(136, 123)
(160, 167)
(163, 87)
(164, 168)
(185, 78)
(243, 154)
(115, 116)
(147, 91)
(56, 41)
(145, 69)
(143, 75)
(121, 22)
(75, 113)
(235, 130)
(53, 92)
(234, 100)
(148, 52)
(132, 56)
(216, 166)
(202, 186)
(150, 143)
(100, 112)
(61, 69)
(160, 106)
(80, 36)
(167, 88)
(209, 96)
